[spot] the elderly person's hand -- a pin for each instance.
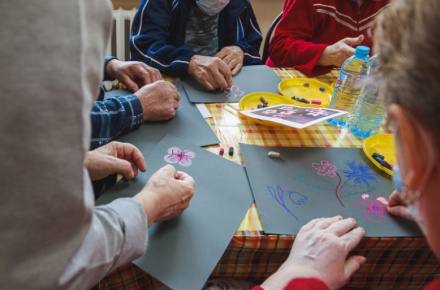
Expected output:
(133, 74)
(337, 53)
(320, 251)
(166, 195)
(398, 207)
(233, 57)
(115, 157)
(159, 100)
(210, 72)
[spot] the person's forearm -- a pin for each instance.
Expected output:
(118, 234)
(114, 116)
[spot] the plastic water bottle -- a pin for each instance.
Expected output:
(349, 85)
(370, 110)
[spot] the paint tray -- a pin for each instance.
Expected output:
(382, 144)
(309, 89)
(251, 101)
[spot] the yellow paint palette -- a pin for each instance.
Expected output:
(382, 144)
(309, 89)
(251, 101)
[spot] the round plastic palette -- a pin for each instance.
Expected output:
(251, 101)
(382, 144)
(309, 89)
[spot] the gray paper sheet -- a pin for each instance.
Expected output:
(308, 183)
(188, 124)
(183, 252)
(254, 78)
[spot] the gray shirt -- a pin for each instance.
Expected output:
(202, 32)
(51, 235)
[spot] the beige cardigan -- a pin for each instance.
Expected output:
(51, 236)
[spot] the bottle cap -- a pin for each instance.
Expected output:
(362, 50)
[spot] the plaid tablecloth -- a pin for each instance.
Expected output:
(392, 263)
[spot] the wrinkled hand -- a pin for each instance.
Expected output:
(337, 53)
(210, 72)
(159, 100)
(233, 57)
(398, 207)
(166, 195)
(320, 251)
(115, 157)
(133, 74)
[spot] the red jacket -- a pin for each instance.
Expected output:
(316, 284)
(309, 26)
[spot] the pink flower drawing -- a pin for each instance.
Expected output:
(283, 115)
(316, 112)
(325, 168)
(233, 92)
(290, 110)
(374, 208)
(269, 112)
(286, 113)
(181, 157)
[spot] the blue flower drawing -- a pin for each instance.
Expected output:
(281, 196)
(360, 173)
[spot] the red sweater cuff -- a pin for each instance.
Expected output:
(302, 284)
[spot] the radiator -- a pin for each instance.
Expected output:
(122, 21)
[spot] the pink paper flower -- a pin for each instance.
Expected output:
(268, 112)
(181, 157)
(325, 168)
(316, 112)
(289, 109)
(282, 115)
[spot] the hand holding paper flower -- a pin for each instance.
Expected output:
(181, 157)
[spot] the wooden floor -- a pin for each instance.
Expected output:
(265, 10)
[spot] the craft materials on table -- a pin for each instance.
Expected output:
(192, 244)
(188, 124)
(250, 243)
(380, 150)
(308, 183)
(254, 78)
(292, 116)
(306, 92)
(253, 100)
(273, 154)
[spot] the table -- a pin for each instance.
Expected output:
(392, 263)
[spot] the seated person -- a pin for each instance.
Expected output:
(314, 36)
(208, 39)
(406, 40)
(153, 100)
